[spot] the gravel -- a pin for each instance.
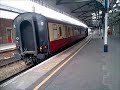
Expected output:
(12, 69)
(7, 54)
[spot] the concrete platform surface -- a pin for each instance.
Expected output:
(90, 69)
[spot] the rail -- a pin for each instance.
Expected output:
(5, 62)
(7, 54)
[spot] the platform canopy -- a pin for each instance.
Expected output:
(87, 11)
(84, 9)
(23, 6)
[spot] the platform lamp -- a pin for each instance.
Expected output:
(106, 25)
(33, 8)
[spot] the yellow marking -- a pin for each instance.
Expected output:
(46, 79)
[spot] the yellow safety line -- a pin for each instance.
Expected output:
(46, 79)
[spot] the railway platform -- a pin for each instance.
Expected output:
(6, 47)
(83, 66)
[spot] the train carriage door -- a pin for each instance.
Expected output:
(60, 31)
(28, 38)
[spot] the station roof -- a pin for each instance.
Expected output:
(83, 9)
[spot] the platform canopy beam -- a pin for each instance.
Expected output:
(87, 16)
(10, 9)
(83, 14)
(70, 2)
(93, 10)
(58, 2)
(81, 6)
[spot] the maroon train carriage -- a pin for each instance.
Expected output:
(37, 36)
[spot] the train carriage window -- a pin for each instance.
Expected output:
(55, 30)
(68, 31)
(73, 31)
(76, 32)
(60, 30)
(74, 28)
(66, 35)
(80, 30)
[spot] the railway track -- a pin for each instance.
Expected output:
(5, 62)
(10, 66)
(7, 50)
(7, 57)
(9, 71)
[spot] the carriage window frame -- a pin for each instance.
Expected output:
(80, 30)
(60, 30)
(73, 30)
(55, 33)
(66, 33)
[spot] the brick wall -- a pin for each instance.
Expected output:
(4, 24)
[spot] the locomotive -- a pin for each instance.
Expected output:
(37, 36)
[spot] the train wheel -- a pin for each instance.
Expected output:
(27, 61)
(35, 61)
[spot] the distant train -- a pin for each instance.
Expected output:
(37, 36)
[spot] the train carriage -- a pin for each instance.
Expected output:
(38, 36)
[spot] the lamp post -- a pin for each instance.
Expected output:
(106, 25)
